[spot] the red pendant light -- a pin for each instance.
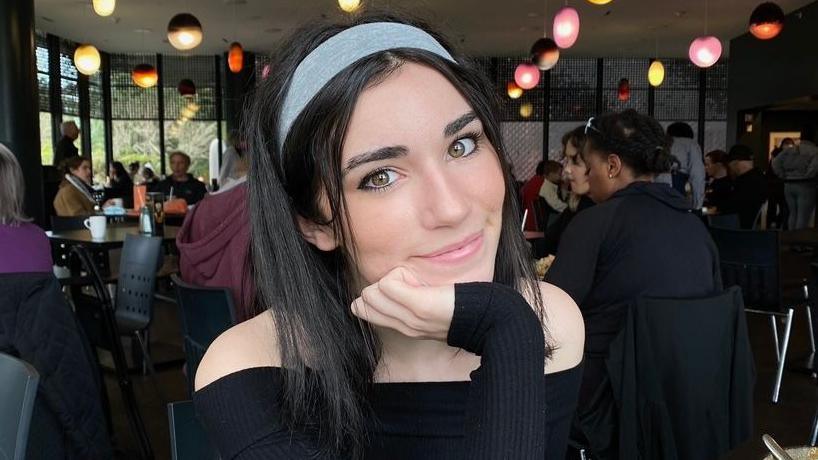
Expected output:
(235, 57)
(186, 88)
(623, 91)
(766, 21)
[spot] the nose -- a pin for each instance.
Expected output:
(444, 197)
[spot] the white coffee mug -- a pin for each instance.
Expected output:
(97, 226)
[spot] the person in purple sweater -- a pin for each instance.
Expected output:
(24, 245)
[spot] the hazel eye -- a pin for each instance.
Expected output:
(379, 180)
(462, 147)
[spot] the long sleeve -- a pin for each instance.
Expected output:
(576, 260)
(551, 195)
(777, 165)
(697, 177)
(505, 414)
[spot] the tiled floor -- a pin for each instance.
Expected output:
(788, 421)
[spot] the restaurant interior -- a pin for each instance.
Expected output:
(141, 141)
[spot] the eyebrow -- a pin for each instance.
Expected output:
(397, 151)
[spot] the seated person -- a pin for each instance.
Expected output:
(24, 246)
(550, 189)
(719, 185)
(75, 196)
(181, 183)
(121, 185)
(749, 187)
(214, 241)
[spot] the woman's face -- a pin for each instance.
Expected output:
(600, 186)
(423, 186)
(575, 171)
(83, 171)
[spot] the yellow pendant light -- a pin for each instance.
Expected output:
(526, 110)
(656, 73)
(349, 5)
(513, 90)
(104, 7)
(600, 2)
(145, 76)
(86, 59)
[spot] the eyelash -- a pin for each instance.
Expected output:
(474, 136)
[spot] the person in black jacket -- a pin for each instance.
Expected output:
(181, 184)
(749, 187)
(65, 148)
(641, 239)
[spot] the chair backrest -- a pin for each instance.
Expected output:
(730, 221)
(141, 257)
(750, 259)
(205, 313)
(18, 390)
(188, 439)
(541, 213)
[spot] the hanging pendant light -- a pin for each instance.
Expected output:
(656, 73)
(566, 27)
(184, 31)
(86, 59)
(514, 91)
(526, 75)
(349, 6)
(705, 51)
(186, 87)
(623, 91)
(144, 76)
(104, 7)
(545, 54)
(526, 110)
(599, 2)
(235, 57)
(766, 21)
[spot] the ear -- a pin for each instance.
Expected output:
(320, 236)
(614, 165)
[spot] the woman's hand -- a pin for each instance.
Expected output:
(402, 302)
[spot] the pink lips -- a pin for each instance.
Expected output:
(457, 252)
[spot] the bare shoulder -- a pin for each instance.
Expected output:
(243, 346)
(565, 327)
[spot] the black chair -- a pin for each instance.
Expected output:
(730, 221)
(60, 252)
(18, 390)
(99, 321)
(205, 313)
(750, 259)
(188, 440)
(542, 213)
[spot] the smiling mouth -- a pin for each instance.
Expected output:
(457, 252)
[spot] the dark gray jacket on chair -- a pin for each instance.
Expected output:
(37, 325)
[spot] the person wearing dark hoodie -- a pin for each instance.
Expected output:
(214, 241)
(181, 184)
(641, 238)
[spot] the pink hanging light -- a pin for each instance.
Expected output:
(705, 51)
(566, 27)
(527, 75)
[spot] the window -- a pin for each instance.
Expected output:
(135, 113)
(46, 129)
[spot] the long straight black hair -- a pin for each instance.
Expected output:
(329, 357)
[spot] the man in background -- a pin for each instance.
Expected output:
(65, 146)
(180, 183)
(749, 186)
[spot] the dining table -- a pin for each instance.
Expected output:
(114, 236)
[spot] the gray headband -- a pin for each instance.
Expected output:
(341, 51)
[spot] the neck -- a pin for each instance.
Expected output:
(720, 174)
(180, 177)
(405, 359)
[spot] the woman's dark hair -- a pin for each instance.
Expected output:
(119, 169)
(576, 137)
(329, 355)
(717, 156)
(637, 139)
(148, 173)
(680, 129)
(73, 163)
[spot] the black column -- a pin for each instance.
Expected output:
(702, 106)
(546, 112)
(651, 93)
(19, 123)
(600, 71)
(160, 104)
(237, 86)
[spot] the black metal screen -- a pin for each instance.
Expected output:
(68, 79)
(573, 89)
(677, 98)
(128, 101)
(635, 70)
(201, 71)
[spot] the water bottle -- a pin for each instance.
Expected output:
(145, 221)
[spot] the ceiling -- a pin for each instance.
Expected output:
(482, 27)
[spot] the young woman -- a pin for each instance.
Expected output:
(641, 239)
(121, 185)
(24, 246)
(75, 196)
(404, 319)
(576, 174)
